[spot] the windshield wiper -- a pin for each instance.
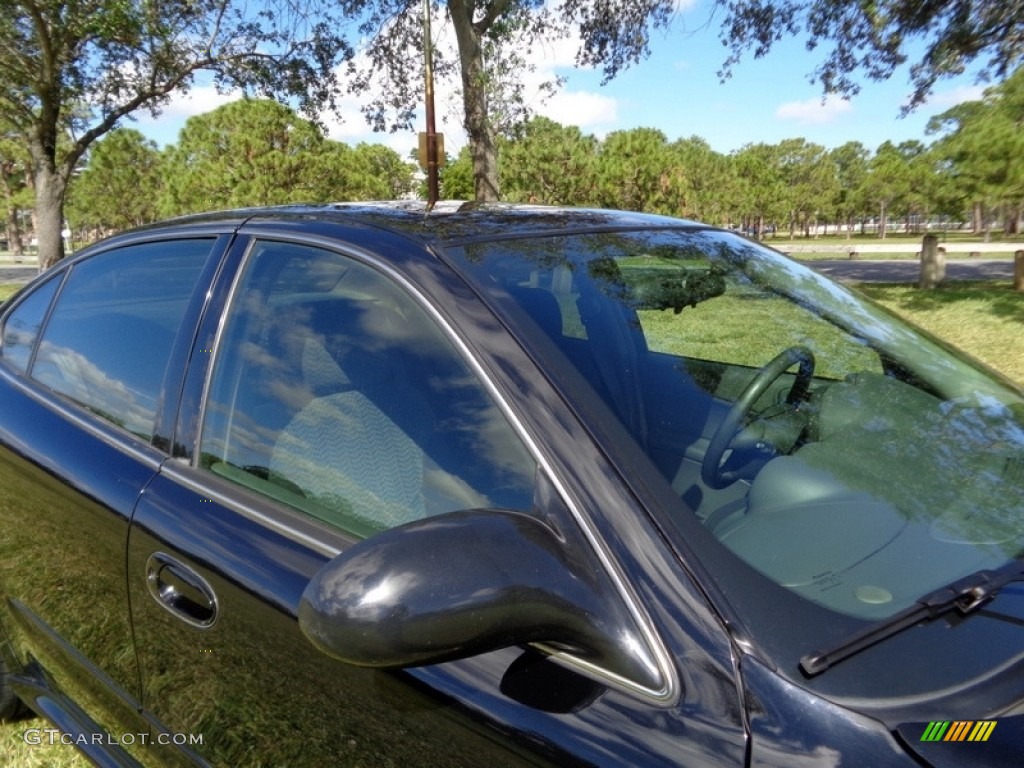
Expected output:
(964, 595)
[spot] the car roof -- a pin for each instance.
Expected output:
(448, 221)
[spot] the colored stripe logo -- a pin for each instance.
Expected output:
(959, 730)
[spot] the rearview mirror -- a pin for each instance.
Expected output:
(466, 583)
(673, 288)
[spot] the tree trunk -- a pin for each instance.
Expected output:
(883, 207)
(933, 263)
(977, 220)
(50, 188)
(14, 242)
(482, 148)
(12, 226)
(1014, 219)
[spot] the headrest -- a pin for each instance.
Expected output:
(542, 306)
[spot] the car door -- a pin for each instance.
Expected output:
(337, 407)
(86, 356)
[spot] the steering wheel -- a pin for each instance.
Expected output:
(711, 469)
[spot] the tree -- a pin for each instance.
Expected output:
(393, 176)
(549, 163)
(983, 148)
(490, 37)
(456, 177)
(634, 172)
(872, 37)
(764, 196)
(260, 152)
(120, 56)
(810, 178)
(245, 153)
(15, 185)
(888, 181)
(916, 204)
(120, 185)
(707, 184)
(851, 162)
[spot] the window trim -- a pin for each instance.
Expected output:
(60, 276)
(668, 694)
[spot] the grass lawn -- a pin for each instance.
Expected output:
(984, 318)
(16, 753)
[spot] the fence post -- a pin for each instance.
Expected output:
(1018, 271)
(933, 263)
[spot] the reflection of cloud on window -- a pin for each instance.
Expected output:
(445, 492)
(480, 424)
(74, 375)
(245, 445)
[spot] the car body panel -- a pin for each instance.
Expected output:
(175, 608)
(76, 488)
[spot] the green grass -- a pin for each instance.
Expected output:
(984, 318)
(16, 753)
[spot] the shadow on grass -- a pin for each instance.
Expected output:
(997, 297)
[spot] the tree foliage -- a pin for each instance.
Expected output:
(873, 38)
(259, 152)
(491, 37)
(793, 184)
(548, 162)
(120, 56)
(707, 185)
(983, 147)
(120, 184)
(256, 152)
(15, 187)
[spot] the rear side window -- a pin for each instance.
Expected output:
(109, 337)
(22, 326)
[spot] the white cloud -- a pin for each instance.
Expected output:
(555, 53)
(587, 110)
(814, 111)
(350, 125)
(950, 98)
(197, 101)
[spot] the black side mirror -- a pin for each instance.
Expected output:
(469, 582)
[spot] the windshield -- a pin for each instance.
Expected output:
(853, 462)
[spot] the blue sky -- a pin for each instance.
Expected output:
(676, 90)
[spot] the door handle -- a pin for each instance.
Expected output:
(181, 590)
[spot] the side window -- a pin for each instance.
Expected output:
(21, 329)
(334, 392)
(107, 342)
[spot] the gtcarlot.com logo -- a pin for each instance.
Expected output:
(51, 736)
(959, 730)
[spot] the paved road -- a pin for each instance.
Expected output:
(17, 273)
(909, 270)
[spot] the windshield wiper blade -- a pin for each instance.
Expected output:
(964, 595)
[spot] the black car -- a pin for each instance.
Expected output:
(487, 485)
